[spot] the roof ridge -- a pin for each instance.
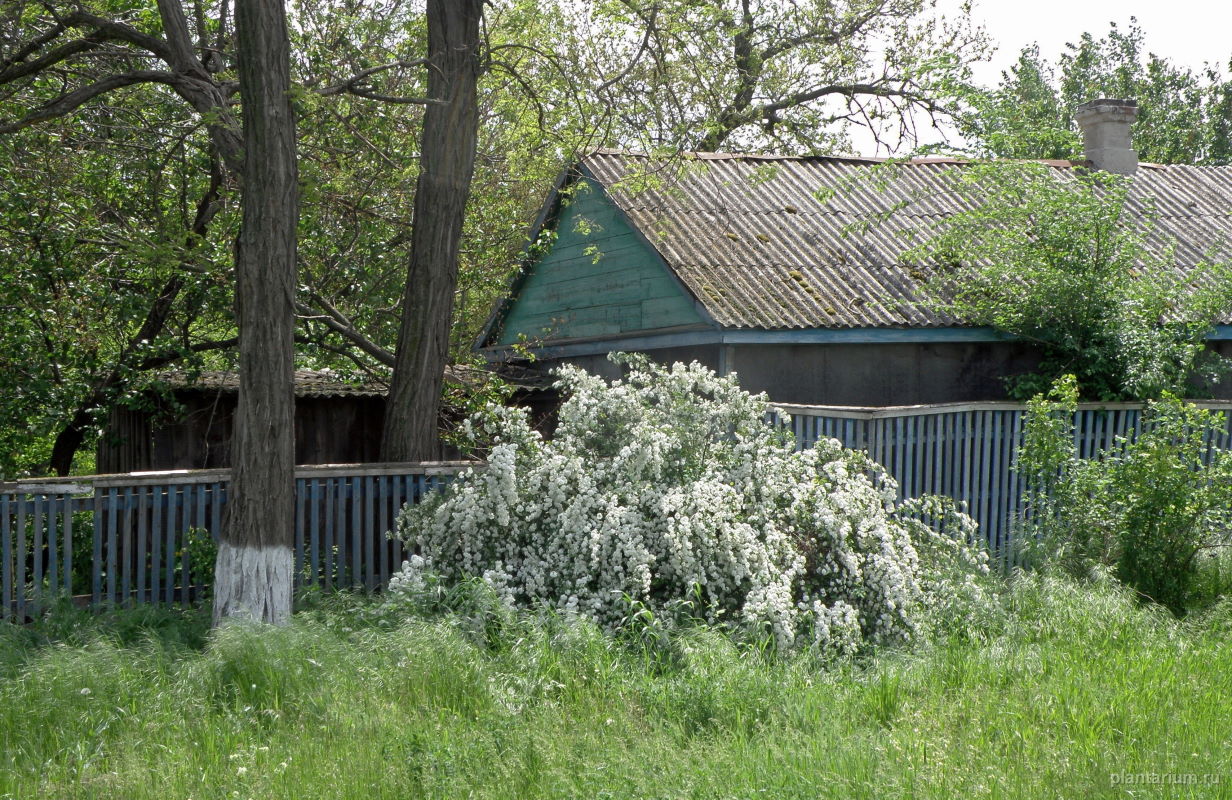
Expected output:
(849, 158)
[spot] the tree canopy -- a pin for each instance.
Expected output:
(1185, 116)
(118, 136)
(1059, 259)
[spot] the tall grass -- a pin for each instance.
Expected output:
(1056, 694)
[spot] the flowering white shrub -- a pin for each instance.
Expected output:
(668, 483)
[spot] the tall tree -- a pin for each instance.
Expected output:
(446, 167)
(1183, 114)
(781, 77)
(254, 565)
(1061, 259)
(49, 57)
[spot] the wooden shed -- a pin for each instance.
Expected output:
(337, 421)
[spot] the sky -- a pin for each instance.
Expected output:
(1187, 32)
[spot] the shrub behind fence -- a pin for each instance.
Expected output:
(967, 451)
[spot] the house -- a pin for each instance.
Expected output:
(788, 271)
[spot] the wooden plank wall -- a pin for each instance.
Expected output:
(599, 279)
(147, 538)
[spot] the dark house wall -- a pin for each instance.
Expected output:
(853, 374)
(896, 374)
(338, 430)
(201, 438)
(892, 374)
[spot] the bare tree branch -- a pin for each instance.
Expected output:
(344, 86)
(641, 50)
(875, 89)
(338, 323)
(117, 31)
(171, 356)
(70, 102)
(19, 68)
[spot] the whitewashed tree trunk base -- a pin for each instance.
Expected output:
(253, 583)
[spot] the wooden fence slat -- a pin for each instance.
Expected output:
(143, 566)
(6, 553)
(369, 533)
(328, 557)
(301, 489)
(169, 538)
(383, 526)
(201, 527)
(992, 470)
(111, 522)
(96, 535)
(356, 531)
(315, 529)
(341, 578)
(69, 504)
(19, 580)
(38, 511)
(125, 547)
(54, 527)
(216, 500)
(156, 543)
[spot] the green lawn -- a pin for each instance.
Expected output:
(1062, 695)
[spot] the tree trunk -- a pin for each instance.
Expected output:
(447, 162)
(68, 442)
(254, 566)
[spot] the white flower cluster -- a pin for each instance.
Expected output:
(667, 483)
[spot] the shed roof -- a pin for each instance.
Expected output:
(308, 383)
(761, 243)
(328, 383)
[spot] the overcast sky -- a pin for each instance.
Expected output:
(1188, 32)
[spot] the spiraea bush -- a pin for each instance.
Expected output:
(671, 483)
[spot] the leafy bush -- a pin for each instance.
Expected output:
(1064, 260)
(671, 484)
(1153, 508)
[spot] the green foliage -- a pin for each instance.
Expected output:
(100, 220)
(1066, 260)
(1153, 509)
(1070, 685)
(94, 236)
(1182, 117)
(777, 77)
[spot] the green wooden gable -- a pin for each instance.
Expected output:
(599, 278)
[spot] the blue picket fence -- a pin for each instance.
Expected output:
(967, 451)
(149, 538)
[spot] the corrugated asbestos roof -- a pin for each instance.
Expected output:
(308, 383)
(751, 239)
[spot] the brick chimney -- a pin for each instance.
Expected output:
(1105, 134)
